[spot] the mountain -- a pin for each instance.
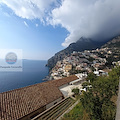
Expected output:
(80, 45)
(114, 47)
(114, 43)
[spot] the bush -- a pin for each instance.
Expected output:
(76, 91)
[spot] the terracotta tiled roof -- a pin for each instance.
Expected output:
(63, 81)
(20, 102)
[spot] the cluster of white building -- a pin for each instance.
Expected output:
(67, 88)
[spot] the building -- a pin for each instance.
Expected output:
(68, 67)
(66, 89)
(100, 73)
(26, 103)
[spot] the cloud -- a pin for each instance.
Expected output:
(29, 9)
(96, 19)
(26, 24)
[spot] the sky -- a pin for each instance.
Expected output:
(43, 27)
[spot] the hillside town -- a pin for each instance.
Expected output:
(98, 61)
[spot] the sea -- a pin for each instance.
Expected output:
(34, 71)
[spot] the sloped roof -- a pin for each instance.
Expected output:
(20, 102)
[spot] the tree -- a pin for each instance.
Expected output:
(86, 85)
(91, 76)
(75, 91)
(97, 100)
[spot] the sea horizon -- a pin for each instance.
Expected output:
(34, 71)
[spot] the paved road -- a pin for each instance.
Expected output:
(118, 105)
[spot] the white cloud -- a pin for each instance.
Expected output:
(26, 24)
(29, 9)
(96, 19)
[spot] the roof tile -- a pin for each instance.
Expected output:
(20, 102)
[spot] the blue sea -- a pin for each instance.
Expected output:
(34, 71)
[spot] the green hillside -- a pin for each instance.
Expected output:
(99, 102)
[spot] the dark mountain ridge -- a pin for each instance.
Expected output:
(114, 43)
(81, 45)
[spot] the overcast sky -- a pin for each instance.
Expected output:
(43, 27)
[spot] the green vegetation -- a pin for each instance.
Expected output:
(98, 103)
(76, 91)
(92, 77)
(77, 113)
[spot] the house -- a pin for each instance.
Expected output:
(96, 73)
(66, 89)
(100, 73)
(68, 67)
(26, 103)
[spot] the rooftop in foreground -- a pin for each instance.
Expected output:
(18, 103)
